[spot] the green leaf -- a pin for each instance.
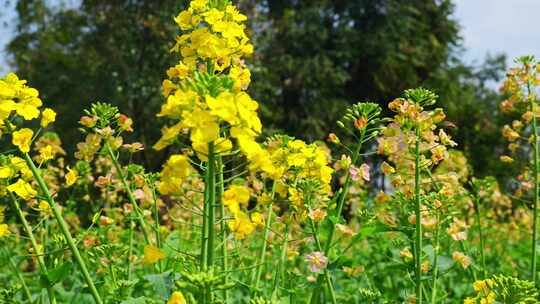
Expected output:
(59, 273)
(161, 283)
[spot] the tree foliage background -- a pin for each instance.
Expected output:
(312, 59)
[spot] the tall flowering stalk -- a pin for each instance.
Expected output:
(206, 100)
(521, 85)
(411, 144)
(104, 125)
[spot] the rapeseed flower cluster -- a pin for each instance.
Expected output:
(484, 290)
(301, 172)
(301, 175)
(204, 90)
(520, 86)
(17, 99)
(399, 138)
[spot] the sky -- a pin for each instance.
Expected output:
(498, 26)
(487, 27)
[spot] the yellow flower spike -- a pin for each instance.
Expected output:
(22, 139)
(4, 230)
(47, 116)
(23, 189)
(152, 254)
(177, 297)
(71, 177)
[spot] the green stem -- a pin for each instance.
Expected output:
(223, 227)
(210, 204)
(339, 206)
(281, 263)
(204, 235)
(156, 222)
(15, 268)
(262, 253)
(343, 195)
(471, 271)
(326, 273)
(536, 186)
(481, 235)
(64, 228)
(130, 195)
(418, 238)
(130, 250)
(37, 252)
(435, 260)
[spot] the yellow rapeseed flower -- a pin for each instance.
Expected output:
(152, 254)
(177, 297)
(22, 189)
(5, 172)
(71, 176)
(22, 139)
(4, 230)
(47, 116)
(46, 153)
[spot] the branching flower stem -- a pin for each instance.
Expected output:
(130, 195)
(63, 227)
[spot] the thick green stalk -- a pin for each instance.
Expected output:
(64, 228)
(281, 264)
(211, 204)
(480, 234)
(33, 243)
(418, 238)
(204, 235)
(536, 186)
(223, 227)
(435, 261)
(210, 212)
(262, 253)
(130, 195)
